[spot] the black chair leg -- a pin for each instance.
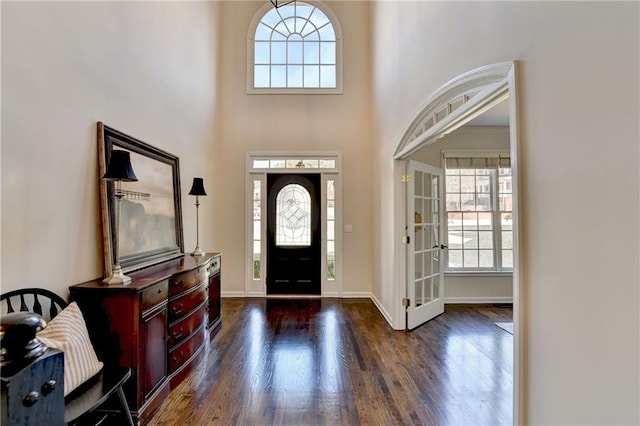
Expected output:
(124, 405)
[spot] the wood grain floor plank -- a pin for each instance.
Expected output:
(337, 362)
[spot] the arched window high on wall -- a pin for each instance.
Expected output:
(295, 48)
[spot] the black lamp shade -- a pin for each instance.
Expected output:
(119, 167)
(198, 187)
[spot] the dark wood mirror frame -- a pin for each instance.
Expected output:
(150, 225)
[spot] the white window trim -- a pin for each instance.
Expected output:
(498, 269)
(297, 90)
(258, 288)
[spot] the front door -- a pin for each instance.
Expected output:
(425, 278)
(293, 234)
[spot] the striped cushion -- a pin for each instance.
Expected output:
(68, 332)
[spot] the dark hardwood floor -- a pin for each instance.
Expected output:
(337, 362)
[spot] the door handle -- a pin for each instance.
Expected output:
(442, 246)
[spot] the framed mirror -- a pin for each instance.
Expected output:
(150, 228)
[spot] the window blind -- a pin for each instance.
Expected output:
(477, 162)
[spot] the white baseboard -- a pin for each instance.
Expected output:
(345, 295)
(478, 300)
(294, 296)
(385, 314)
(356, 295)
(382, 310)
(224, 294)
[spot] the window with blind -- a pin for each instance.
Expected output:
(479, 212)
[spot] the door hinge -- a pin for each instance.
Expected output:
(405, 178)
(406, 302)
(406, 239)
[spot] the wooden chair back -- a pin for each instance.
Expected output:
(41, 301)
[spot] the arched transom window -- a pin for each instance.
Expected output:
(293, 216)
(295, 47)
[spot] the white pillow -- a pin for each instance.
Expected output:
(68, 332)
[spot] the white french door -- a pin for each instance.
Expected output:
(425, 278)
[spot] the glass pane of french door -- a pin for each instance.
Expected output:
(425, 267)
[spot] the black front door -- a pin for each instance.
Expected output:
(293, 234)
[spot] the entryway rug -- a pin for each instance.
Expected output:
(506, 326)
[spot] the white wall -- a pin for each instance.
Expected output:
(580, 183)
(279, 123)
(478, 288)
(173, 75)
(147, 69)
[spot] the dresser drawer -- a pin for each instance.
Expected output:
(182, 353)
(155, 295)
(181, 330)
(214, 265)
(184, 281)
(186, 303)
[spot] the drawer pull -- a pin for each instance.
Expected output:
(159, 290)
(179, 283)
(48, 387)
(30, 399)
(178, 357)
(177, 309)
(177, 333)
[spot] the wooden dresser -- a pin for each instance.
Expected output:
(158, 324)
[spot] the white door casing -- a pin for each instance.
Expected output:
(452, 105)
(258, 165)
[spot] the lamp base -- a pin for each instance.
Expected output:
(117, 277)
(197, 252)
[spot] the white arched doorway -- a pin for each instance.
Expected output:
(455, 103)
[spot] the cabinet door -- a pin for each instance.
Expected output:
(154, 368)
(214, 298)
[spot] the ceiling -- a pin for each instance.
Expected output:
(498, 116)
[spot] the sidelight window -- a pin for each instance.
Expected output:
(257, 228)
(331, 230)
